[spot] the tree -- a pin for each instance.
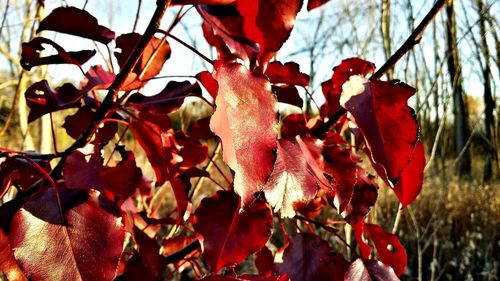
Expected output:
(459, 108)
(68, 220)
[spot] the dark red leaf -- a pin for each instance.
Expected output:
(41, 99)
(175, 244)
(149, 253)
(223, 29)
(8, 264)
(341, 164)
(294, 125)
(332, 98)
(123, 179)
(31, 52)
(191, 150)
(264, 262)
(152, 59)
(307, 257)
(81, 169)
(234, 235)
(151, 138)
(369, 270)
(168, 100)
(21, 172)
(288, 73)
(136, 270)
(341, 73)
(313, 4)
(363, 199)
(245, 120)
(74, 21)
(288, 94)
(268, 24)
(181, 187)
(389, 249)
(201, 129)
(77, 123)
(209, 83)
(390, 130)
(58, 235)
(292, 180)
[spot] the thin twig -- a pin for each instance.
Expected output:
(188, 46)
(413, 40)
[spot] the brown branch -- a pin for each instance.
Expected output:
(413, 40)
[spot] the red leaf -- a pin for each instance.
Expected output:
(389, 249)
(209, 83)
(123, 179)
(41, 99)
(341, 165)
(168, 100)
(175, 244)
(307, 257)
(152, 59)
(369, 270)
(77, 22)
(363, 198)
(223, 29)
(411, 180)
(234, 235)
(244, 120)
(97, 79)
(31, 52)
(292, 180)
(294, 125)
(77, 123)
(288, 94)
(201, 129)
(21, 172)
(8, 264)
(59, 235)
(390, 130)
(81, 169)
(264, 262)
(288, 73)
(341, 73)
(152, 139)
(149, 253)
(268, 24)
(313, 4)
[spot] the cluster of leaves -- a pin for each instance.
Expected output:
(69, 222)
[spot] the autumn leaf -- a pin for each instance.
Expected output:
(78, 220)
(390, 130)
(292, 180)
(245, 120)
(235, 234)
(74, 21)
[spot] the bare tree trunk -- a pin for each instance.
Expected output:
(489, 102)
(459, 106)
(385, 29)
